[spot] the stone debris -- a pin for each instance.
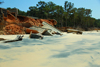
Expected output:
(13, 29)
(15, 24)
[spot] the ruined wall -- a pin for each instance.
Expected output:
(15, 24)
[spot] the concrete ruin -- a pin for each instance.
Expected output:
(11, 23)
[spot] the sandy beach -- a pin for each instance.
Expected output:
(68, 50)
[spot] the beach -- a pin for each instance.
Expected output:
(68, 50)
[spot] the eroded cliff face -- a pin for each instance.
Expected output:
(14, 24)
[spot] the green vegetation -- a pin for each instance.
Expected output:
(65, 16)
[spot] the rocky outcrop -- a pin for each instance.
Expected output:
(17, 24)
(13, 29)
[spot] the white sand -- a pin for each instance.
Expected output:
(69, 50)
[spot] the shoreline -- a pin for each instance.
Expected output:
(62, 32)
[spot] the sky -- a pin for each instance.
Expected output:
(25, 4)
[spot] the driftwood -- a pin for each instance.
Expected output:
(1, 39)
(19, 38)
(35, 36)
(48, 26)
(57, 33)
(46, 33)
(73, 31)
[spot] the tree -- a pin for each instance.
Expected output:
(88, 14)
(75, 15)
(33, 11)
(59, 15)
(65, 16)
(41, 5)
(68, 6)
(49, 9)
(1, 1)
(23, 13)
(81, 15)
